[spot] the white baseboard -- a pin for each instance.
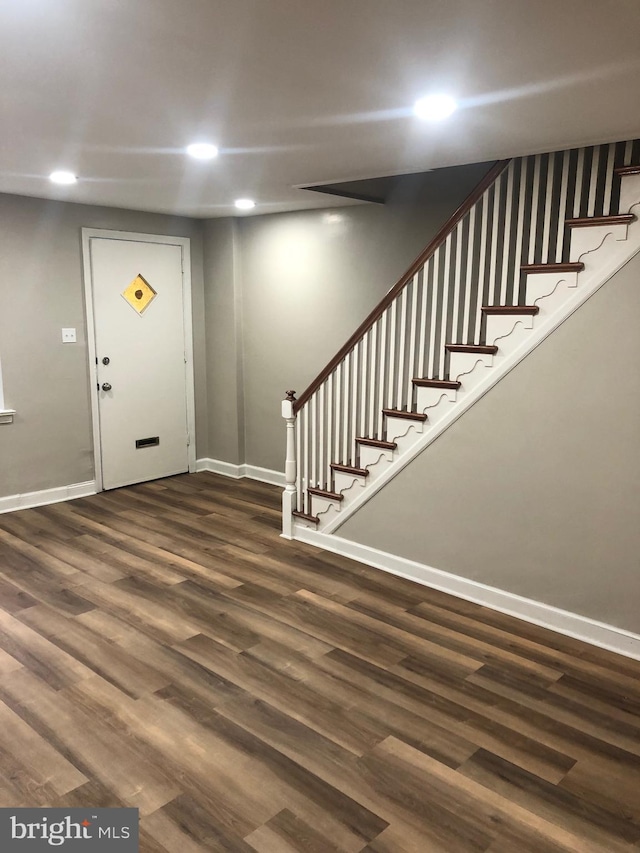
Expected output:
(47, 496)
(563, 621)
(253, 472)
(265, 475)
(218, 467)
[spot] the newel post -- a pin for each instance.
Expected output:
(289, 496)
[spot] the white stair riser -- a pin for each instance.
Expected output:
(542, 285)
(596, 262)
(373, 455)
(427, 398)
(589, 239)
(508, 344)
(398, 428)
(469, 365)
(436, 413)
(320, 505)
(500, 326)
(342, 481)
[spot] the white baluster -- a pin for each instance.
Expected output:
(382, 362)
(482, 268)
(456, 277)
(434, 304)
(371, 376)
(506, 235)
(608, 185)
(401, 348)
(563, 208)
(593, 183)
(423, 321)
(493, 251)
(577, 196)
(415, 321)
(535, 203)
(468, 275)
(548, 196)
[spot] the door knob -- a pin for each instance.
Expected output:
(106, 359)
(106, 386)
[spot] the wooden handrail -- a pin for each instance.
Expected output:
(492, 175)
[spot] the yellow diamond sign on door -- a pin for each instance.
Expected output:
(139, 294)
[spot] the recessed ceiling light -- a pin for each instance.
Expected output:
(245, 203)
(62, 177)
(435, 107)
(202, 151)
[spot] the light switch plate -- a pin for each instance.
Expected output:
(68, 336)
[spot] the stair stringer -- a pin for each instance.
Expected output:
(558, 300)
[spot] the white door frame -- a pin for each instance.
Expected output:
(185, 246)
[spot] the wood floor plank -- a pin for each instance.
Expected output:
(448, 747)
(43, 763)
(133, 677)
(169, 662)
(557, 718)
(136, 547)
(12, 597)
(608, 784)
(288, 833)
(79, 555)
(38, 654)
(558, 660)
(176, 833)
(300, 702)
(153, 618)
(87, 742)
(161, 646)
(486, 731)
(556, 803)
(483, 808)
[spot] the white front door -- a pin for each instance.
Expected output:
(142, 358)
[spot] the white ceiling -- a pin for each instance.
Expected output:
(297, 92)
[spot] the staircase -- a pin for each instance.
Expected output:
(533, 241)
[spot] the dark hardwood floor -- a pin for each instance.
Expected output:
(162, 647)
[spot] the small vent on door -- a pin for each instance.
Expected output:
(147, 442)
(139, 294)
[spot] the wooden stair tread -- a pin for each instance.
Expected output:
(621, 171)
(349, 469)
(589, 221)
(510, 309)
(482, 349)
(574, 266)
(377, 442)
(436, 383)
(399, 413)
(323, 493)
(305, 517)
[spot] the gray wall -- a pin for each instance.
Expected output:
(536, 488)
(41, 290)
(309, 279)
(223, 306)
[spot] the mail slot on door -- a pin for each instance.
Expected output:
(147, 442)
